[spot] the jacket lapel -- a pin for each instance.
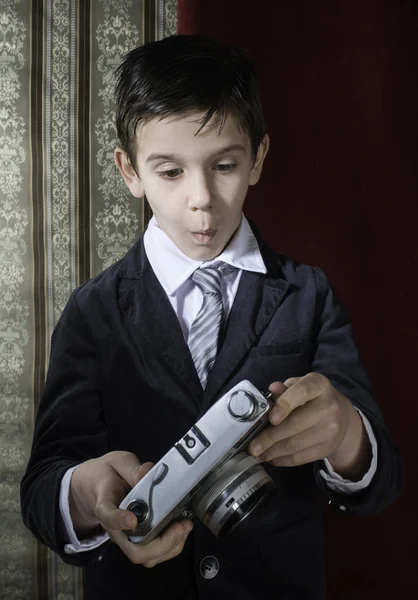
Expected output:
(150, 315)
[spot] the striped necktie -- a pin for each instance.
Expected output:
(204, 331)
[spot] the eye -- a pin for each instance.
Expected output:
(170, 174)
(225, 167)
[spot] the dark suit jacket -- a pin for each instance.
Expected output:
(121, 378)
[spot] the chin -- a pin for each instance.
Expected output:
(204, 254)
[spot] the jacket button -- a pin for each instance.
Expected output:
(209, 567)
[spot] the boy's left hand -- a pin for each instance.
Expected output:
(312, 420)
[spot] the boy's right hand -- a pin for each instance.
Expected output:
(96, 490)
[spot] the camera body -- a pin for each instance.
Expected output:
(208, 472)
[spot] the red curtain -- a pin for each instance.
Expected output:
(339, 190)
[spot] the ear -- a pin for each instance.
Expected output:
(258, 163)
(128, 173)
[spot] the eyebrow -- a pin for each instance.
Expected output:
(177, 157)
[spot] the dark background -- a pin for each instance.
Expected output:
(339, 190)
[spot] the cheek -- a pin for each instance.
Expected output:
(237, 196)
(240, 184)
(169, 214)
(232, 191)
(163, 200)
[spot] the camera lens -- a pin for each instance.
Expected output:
(242, 516)
(230, 496)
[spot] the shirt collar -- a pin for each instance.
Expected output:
(173, 267)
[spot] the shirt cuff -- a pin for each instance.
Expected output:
(337, 483)
(75, 545)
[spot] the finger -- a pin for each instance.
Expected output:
(277, 388)
(174, 552)
(317, 434)
(299, 420)
(127, 466)
(291, 381)
(307, 388)
(303, 457)
(160, 546)
(137, 553)
(165, 543)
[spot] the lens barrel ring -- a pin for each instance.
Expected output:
(232, 493)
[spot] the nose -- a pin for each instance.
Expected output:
(200, 194)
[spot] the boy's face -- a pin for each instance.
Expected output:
(195, 184)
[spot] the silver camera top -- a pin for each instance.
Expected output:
(167, 491)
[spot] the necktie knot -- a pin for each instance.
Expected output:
(209, 279)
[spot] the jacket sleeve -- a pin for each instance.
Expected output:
(69, 429)
(337, 357)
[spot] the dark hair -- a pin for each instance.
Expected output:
(184, 73)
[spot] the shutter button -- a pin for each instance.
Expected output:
(209, 567)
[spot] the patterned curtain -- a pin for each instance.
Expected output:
(65, 214)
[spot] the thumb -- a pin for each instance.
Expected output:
(112, 517)
(125, 468)
(140, 471)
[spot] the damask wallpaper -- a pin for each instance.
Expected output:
(65, 215)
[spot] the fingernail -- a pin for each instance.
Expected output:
(127, 522)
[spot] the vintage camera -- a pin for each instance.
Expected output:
(208, 473)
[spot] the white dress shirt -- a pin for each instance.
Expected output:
(173, 270)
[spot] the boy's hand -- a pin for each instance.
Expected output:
(311, 420)
(97, 488)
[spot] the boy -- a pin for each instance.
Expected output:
(196, 306)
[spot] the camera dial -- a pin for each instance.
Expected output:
(242, 405)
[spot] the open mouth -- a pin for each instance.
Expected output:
(203, 237)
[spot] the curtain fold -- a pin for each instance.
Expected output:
(339, 190)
